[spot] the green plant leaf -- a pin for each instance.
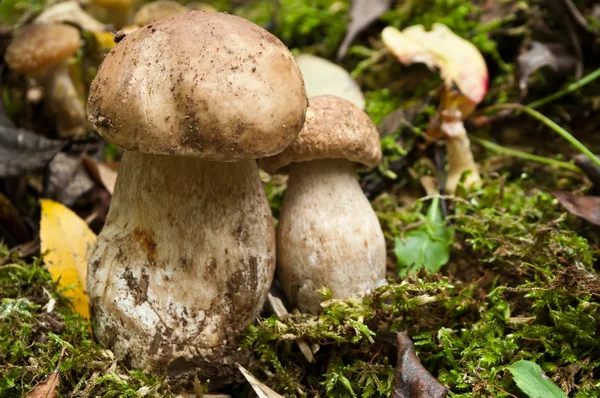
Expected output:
(427, 246)
(532, 381)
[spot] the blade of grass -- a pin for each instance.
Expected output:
(569, 89)
(524, 155)
(555, 127)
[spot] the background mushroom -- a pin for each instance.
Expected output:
(41, 52)
(156, 10)
(328, 233)
(119, 13)
(187, 254)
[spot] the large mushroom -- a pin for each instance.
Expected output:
(187, 254)
(41, 52)
(328, 234)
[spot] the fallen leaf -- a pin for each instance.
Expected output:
(323, 77)
(103, 173)
(411, 379)
(259, 388)
(427, 246)
(108, 176)
(67, 179)
(552, 55)
(530, 378)
(362, 14)
(68, 241)
(586, 207)
(459, 61)
(22, 151)
(49, 387)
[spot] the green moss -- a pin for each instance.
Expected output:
(12, 10)
(36, 323)
(521, 284)
(315, 26)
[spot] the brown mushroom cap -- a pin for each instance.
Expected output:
(334, 129)
(38, 46)
(156, 10)
(114, 4)
(202, 84)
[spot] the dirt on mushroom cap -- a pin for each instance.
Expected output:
(201, 84)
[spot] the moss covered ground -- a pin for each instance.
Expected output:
(522, 279)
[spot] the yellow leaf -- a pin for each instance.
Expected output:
(105, 40)
(459, 61)
(68, 241)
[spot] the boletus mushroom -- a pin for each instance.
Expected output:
(156, 10)
(41, 52)
(187, 254)
(328, 234)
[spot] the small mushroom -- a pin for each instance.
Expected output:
(187, 254)
(41, 52)
(119, 13)
(328, 233)
(458, 151)
(200, 6)
(156, 10)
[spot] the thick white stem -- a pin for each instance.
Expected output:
(328, 235)
(64, 101)
(460, 159)
(183, 264)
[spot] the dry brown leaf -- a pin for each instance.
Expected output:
(47, 388)
(586, 207)
(459, 61)
(108, 176)
(68, 241)
(103, 173)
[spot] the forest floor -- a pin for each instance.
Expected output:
(508, 269)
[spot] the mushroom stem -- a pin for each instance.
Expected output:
(460, 159)
(64, 101)
(183, 264)
(328, 235)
